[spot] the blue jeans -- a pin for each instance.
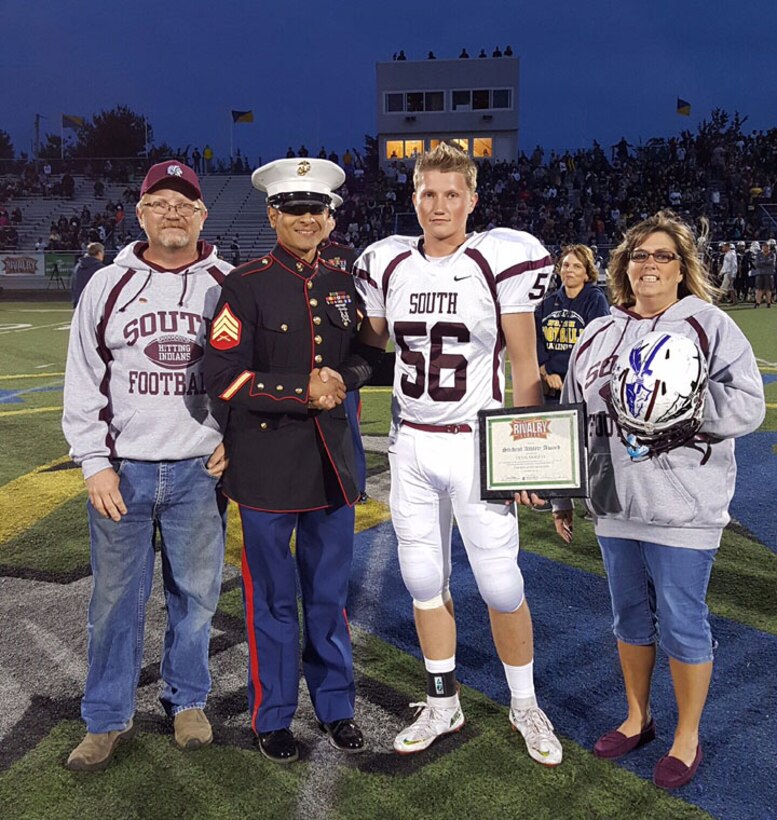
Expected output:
(653, 585)
(180, 499)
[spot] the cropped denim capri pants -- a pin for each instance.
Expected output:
(658, 595)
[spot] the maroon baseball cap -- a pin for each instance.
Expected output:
(172, 171)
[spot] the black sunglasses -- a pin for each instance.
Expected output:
(302, 208)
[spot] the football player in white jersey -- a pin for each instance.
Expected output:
(452, 302)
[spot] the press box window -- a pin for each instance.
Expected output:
(461, 142)
(462, 100)
(434, 101)
(415, 101)
(482, 147)
(403, 149)
(501, 98)
(395, 103)
(413, 148)
(394, 149)
(480, 100)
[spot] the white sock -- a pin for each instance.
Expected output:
(440, 667)
(520, 680)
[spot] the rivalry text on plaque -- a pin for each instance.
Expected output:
(538, 449)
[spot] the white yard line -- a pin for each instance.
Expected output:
(24, 328)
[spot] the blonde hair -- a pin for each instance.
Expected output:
(447, 159)
(585, 255)
(695, 276)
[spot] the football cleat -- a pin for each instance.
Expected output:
(541, 743)
(431, 722)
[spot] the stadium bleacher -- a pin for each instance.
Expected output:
(589, 195)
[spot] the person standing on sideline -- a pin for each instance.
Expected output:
(137, 418)
(659, 508)
(562, 316)
(86, 268)
(763, 262)
(728, 272)
(282, 321)
(452, 301)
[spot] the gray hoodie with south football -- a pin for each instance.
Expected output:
(672, 498)
(133, 383)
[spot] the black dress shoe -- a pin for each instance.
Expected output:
(278, 746)
(344, 735)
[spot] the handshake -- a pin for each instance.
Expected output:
(326, 389)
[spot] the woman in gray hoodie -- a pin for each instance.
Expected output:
(659, 519)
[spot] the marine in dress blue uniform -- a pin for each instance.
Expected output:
(280, 321)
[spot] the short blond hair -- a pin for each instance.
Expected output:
(696, 277)
(447, 159)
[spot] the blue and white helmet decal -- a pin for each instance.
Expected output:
(658, 387)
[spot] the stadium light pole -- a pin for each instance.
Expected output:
(36, 139)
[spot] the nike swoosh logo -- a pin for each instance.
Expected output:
(459, 278)
(412, 742)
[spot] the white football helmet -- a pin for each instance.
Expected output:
(658, 387)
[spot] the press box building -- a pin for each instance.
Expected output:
(473, 102)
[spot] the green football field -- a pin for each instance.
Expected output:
(481, 773)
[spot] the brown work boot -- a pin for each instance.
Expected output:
(94, 752)
(192, 729)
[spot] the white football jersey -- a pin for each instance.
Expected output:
(444, 317)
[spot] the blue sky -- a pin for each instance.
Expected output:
(596, 69)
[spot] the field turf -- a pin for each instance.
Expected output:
(482, 772)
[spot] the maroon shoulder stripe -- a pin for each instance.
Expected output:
(391, 267)
(359, 273)
(704, 341)
(523, 267)
(480, 260)
(583, 346)
(217, 274)
(485, 269)
(106, 414)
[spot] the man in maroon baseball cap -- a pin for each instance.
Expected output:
(141, 427)
(172, 171)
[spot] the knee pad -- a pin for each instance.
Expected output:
(434, 603)
(500, 584)
(423, 573)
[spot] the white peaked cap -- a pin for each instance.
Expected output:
(299, 180)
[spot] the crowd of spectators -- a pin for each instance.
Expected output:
(586, 196)
(590, 196)
(9, 235)
(83, 227)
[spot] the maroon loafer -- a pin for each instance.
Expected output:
(615, 744)
(671, 773)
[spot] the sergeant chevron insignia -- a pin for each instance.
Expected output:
(226, 330)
